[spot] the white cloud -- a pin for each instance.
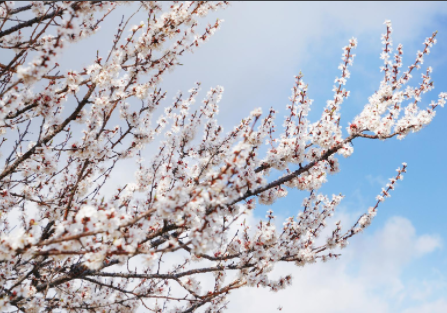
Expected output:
(367, 278)
(426, 244)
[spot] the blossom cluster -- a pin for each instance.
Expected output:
(69, 244)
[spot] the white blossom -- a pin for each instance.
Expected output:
(93, 245)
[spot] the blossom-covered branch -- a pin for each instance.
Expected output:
(176, 238)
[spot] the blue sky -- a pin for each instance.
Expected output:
(398, 264)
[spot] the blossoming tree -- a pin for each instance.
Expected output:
(174, 239)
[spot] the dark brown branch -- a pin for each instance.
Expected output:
(18, 10)
(30, 22)
(294, 174)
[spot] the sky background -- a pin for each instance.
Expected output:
(399, 263)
